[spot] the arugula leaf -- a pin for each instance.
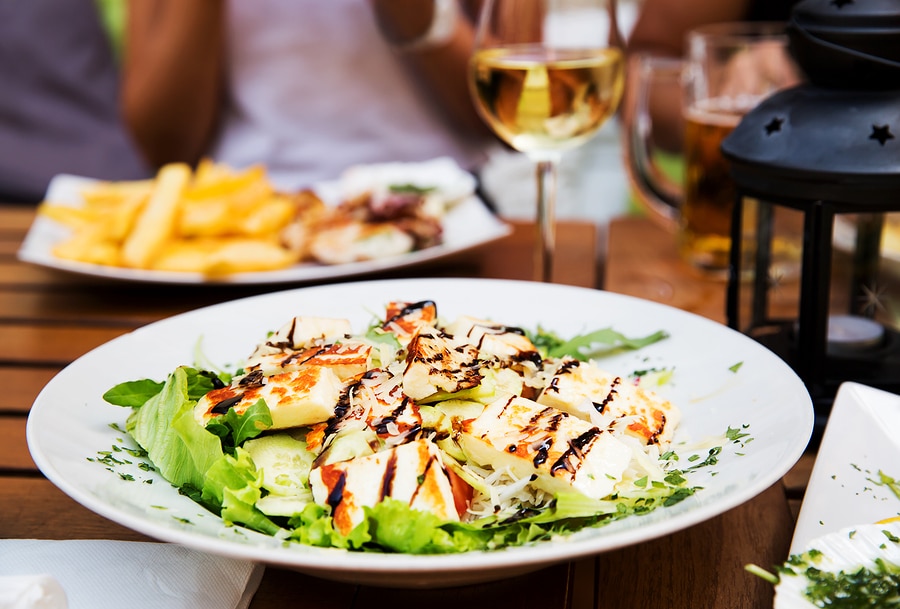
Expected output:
(133, 394)
(201, 382)
(597, 343)
(233, 428)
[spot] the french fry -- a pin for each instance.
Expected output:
(269, 217)
(208, 172)
(223, 256)
(156, 221)
(120, 220)
(73, 217)
(225, 203)
(215, 220)
(204, 218)
(248, 255)
(112, 193)
(88, 245)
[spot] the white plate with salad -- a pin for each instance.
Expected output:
(740, 418)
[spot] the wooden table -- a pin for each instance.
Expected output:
(48, 319)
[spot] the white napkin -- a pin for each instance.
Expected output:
(39, 591)
(101, 574)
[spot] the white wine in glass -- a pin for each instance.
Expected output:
(545, 76)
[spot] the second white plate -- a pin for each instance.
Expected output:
(467, 225)
(861, 439)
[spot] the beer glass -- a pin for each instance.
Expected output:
(688, 106)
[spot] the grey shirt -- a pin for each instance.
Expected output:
(59, 89)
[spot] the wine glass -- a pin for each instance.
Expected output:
(544, 76)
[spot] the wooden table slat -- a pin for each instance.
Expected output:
(17, 219)
(14, 453)
(33, 508)
(51, 345)
(643, 262)
(21, 385)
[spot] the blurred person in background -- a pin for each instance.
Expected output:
(59, 110)
(304, 87)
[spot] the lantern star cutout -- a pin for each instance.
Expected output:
(774, 125)
(881, 133)
(775, 280)
(872, 298)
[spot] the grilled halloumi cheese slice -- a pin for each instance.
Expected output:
(436, 361)
(346, 359)
(404, 319)
(561, 452)
(413, 473)
(389, 412)
(296, 398)
(507, 344)
(300, 333)
(304, 331)
(585, 390)
(375, 412)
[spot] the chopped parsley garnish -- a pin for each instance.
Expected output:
(874, 585)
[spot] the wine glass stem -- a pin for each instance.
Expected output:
(546, 220)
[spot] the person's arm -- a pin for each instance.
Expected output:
(442, 69)
(173, 76)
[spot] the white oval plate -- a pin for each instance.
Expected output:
(721, 379)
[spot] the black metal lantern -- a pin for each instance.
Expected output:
(817, 169)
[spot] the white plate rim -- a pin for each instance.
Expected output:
(469, 224)
(480, 566)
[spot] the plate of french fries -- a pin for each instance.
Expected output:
(217, 224)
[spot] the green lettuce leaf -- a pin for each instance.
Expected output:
(232, 483)
(180, 448)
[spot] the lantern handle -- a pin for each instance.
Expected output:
(815, 40)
